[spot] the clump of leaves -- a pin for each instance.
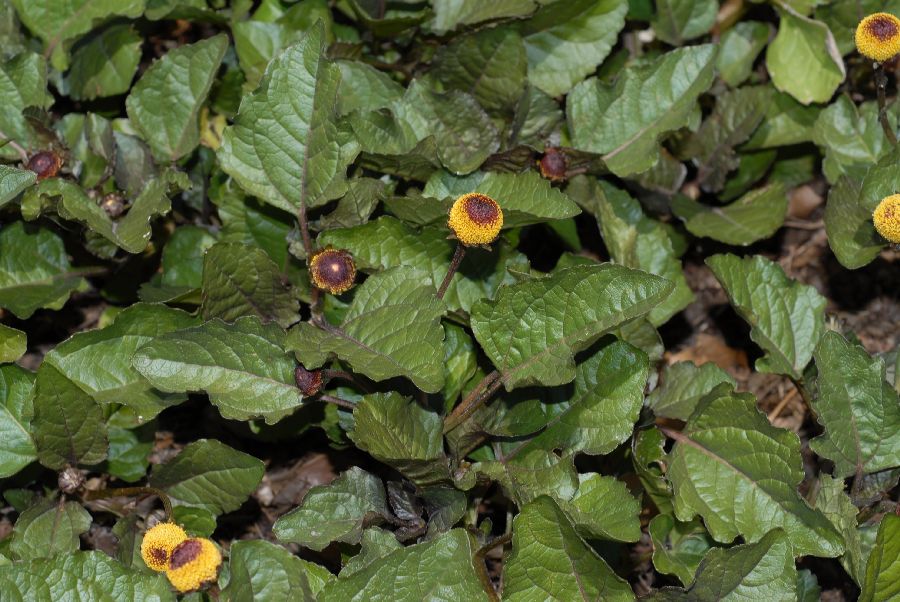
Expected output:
(451, 247)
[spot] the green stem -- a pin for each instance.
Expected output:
(481, 567)
(880, 87)
(454, 265)
(478, 396)
(132, 491)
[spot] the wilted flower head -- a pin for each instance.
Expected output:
(46, 164)
(475, 219)
(308, 381)
(332, 270)
(887, 218)
(194, 562)
(878, 36)
(158, 544)
(553, 165)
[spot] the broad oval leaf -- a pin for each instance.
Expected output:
(338, 511)
(242, 366)
(550, 561)
(208, 474)
(859, 410)
(415, 573)
(786, 318)
(679, 20)
(883, 569)
(105, 65)
(17, 448)
(49, 528)
(532, 330)
(165, 103)
(264, 571)
(392, 328)
(727, 444)
(755, 216)
(283, 147)
(684, 384)
(13, 181)
(619, 124)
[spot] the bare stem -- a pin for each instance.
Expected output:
(454, 265)
(132, 491)
(476, 397)
(880, 87)
(481, 567)
(304, 231)
(15, 146)
(338, 401)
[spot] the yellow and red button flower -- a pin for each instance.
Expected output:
(332, 270)
(158, 544)
(193, 563)
(878, 36)
(475, 219)
(887, 218)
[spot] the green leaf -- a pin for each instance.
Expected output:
(386, 243)
(128, 455)
(264, 571)
(737, 115)
(68, 424)
(165, 103)
(787, 122)
(728, 445)
(858, 409)
(883, 569)
(683, 385)
(576, 307)
(392, 328)
(397, 431)
(13, 181)
(603, 508)
(549, 561)
(851, 136)
(283, 147)
(17, 448)
(338, 511)
(755, 571)
(243, 367)
(56, 24)
(525, 198)
(376, 544)
(130, 232)
(566, 42)
(13, 344)
(489, 64)
(48, 528)
(181, 266)
(635, 240)
(105, 64)
(241, 280)
(450, 14)
(34, 270)
(364, 88)
(464, 133)
(210, 475)
(848, 223)
(603, 407)
(526, 476)
(93, 575)
(677, 21)
(829, 497)
(786, 318)
(618, 123)
(442, 568)
(738, 50)
(678, 548)
(755, 216)
(78, 358)
(803, 59)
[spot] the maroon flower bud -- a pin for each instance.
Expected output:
(308, 381)
(553, 165)
(46, 164)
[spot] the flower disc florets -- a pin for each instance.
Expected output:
(475, 219)
(194, 562)
(887, 218)
(158, 544)
(878, 36)
(332, 270)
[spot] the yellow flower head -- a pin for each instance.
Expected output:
(332, 270)
(878, 36)
(158, 543)
(887, 218)
(475, 219)
(194, 562)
